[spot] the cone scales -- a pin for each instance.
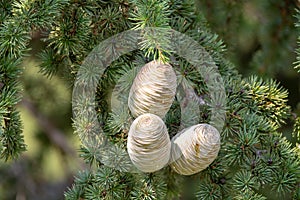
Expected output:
(148, 143)
(153, 90)
(194, 149)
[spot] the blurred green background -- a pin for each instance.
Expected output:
(261, 39)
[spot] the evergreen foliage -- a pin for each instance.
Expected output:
(254, 156)
(296, 132)
(297, 63)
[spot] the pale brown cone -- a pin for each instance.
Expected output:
(194, 149)
(153, 90)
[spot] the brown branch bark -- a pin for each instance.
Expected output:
(55, 135)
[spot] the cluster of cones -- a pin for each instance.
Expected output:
(149, 146)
